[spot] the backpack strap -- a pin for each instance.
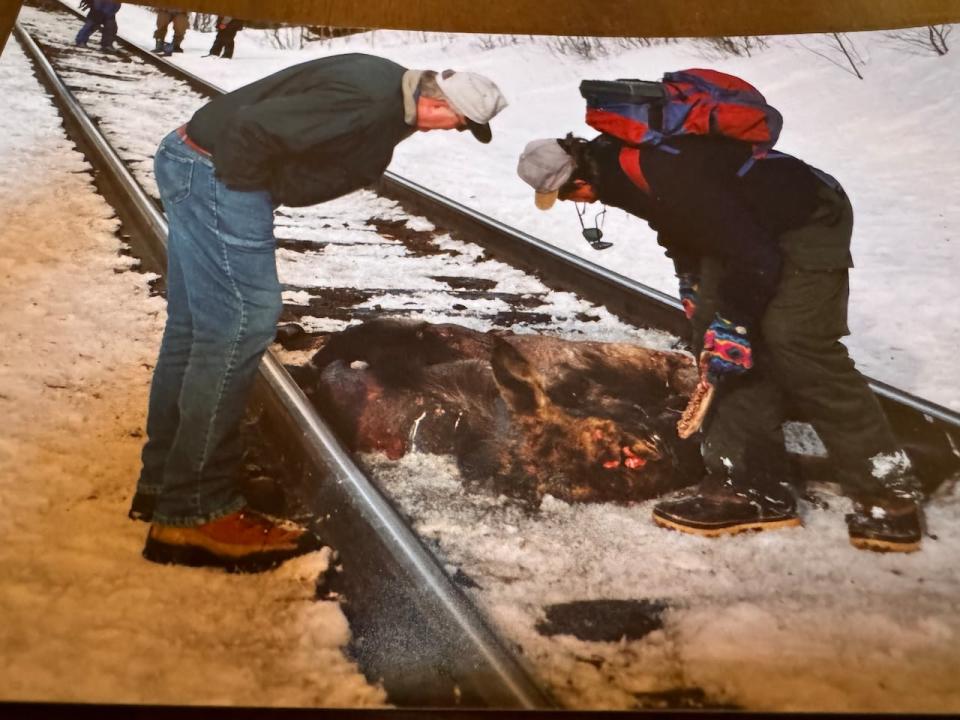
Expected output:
(759, 155)
(630, 164)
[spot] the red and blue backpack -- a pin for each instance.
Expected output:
(688, 102)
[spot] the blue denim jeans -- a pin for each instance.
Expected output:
(223, 302)
(107, 25)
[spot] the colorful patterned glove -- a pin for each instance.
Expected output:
(726, 350)
(689, 285)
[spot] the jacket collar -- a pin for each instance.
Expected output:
(409, 84)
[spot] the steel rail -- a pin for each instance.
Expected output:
(429, 647)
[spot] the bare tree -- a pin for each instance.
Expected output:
(286, 37)
(923, 40)
(326, 32)
(491, 42)
(203, 22)
(584, 46)
(635, 42)
(840, 50)
(741, 46)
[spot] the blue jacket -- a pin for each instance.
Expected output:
(106, 8)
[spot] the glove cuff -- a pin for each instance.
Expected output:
(726, 349)
(731, 327)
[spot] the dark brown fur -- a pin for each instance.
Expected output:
(525, 415)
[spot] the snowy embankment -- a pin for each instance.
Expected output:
(84, 617)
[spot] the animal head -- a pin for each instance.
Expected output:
(586, 454)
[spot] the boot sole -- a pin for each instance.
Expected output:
(885, 546)
(757, 526)
(194, 556)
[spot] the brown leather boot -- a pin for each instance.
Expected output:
(244, 541)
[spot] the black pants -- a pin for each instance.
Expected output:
(800, 361)
(223, 42)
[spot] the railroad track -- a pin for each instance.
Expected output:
(413, 629)
(402, 600)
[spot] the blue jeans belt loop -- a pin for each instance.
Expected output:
(182, 132)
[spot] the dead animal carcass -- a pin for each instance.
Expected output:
(524, 415)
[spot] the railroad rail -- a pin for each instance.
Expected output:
(402, 604)
(392, 581)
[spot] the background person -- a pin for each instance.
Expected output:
(102, 15)
(165, 17)
(307, 134)
(227, 29)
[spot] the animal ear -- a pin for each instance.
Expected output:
(520, 385)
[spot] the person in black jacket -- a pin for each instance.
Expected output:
(304, 135)
(102, 15)
(762, 260)
(227, 29)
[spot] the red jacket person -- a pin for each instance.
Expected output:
(762, 257)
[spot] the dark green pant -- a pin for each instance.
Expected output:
(800, 362)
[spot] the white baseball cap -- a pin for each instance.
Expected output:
(545, 166)
(475, 97)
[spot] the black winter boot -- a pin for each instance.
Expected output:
(177, 48)
(158, 46)
(886, 516)
(716, 507)
(890, 524)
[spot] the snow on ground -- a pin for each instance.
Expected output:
(788, 621)
(794, 620)
(84, 617)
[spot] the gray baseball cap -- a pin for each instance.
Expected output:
(546, 167)
(474, 96)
